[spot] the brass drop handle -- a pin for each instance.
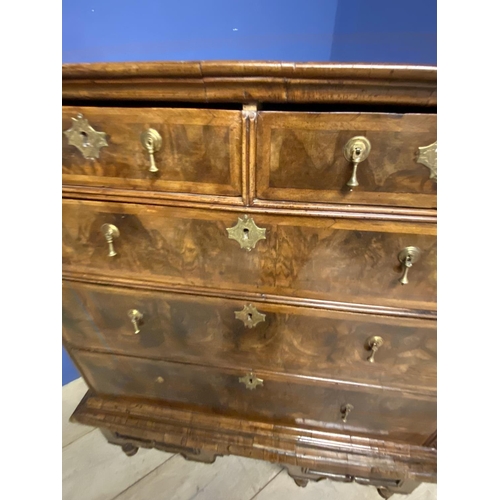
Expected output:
(372, 344)
(408, 256)
(151, 142)
(356, 150)
(135, 316)
(110, 231)
(345, 410)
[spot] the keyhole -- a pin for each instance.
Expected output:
(85, 139)
(249, 316)
(357, 151)
(250, 380)
(245, 233)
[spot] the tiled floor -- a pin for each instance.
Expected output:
(95, 470)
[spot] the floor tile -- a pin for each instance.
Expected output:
(228, 478)
(96, 470)
(72, 394)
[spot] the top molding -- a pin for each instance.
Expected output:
(252, 81)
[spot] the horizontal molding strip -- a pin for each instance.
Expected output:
(249, 296)
(259, 206)
(291, 445)
(249, 81)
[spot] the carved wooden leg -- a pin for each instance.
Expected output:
(384, 493)
(301, 482)
(200, 456)
(129, 449)
(404, 488)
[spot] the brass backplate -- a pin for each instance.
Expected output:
(375, 340)
(246, 233)
(427, 156)
(83, 136)
(412, 252)
(110, 230)
(359, 142)
(151, 140)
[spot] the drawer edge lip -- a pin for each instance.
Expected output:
(291, 444)
(89, 193)
(295, 378)
(258, 206)
(364, 211)
(98, 279)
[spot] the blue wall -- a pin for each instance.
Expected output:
(391, 31)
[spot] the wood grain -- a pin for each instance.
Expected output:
(301, 158)
(263, 139)
(326, 344)
(200, 153)
(294, 445)
(252, 81)
(327, 259)
(403, 417)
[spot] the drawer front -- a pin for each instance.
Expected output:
(297, 340)
(300, 157)
(319, 258)
(392, 414)
(200, 150)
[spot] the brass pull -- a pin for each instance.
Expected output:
(345, 410)
(408, 256)
(151, 142)
(110, 231)
(427, 156)
(83, 136)
(135, 316)
(251, 381)
(356, 150)
(373, 344)
(246, 233)
(250, 316)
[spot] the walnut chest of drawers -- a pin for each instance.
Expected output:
(249, 263)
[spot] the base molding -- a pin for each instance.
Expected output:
(308, 454)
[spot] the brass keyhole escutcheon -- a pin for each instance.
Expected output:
(408, 256)
(250, 316)
(251, 381)
(356, 150)
(246, 233)
(85, 138)
(427, 155)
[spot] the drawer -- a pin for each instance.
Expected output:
(318, 258)
(300, 157)
(280, 399)
(297, 340)
(200, 150)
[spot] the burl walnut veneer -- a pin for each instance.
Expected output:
(249, 263)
